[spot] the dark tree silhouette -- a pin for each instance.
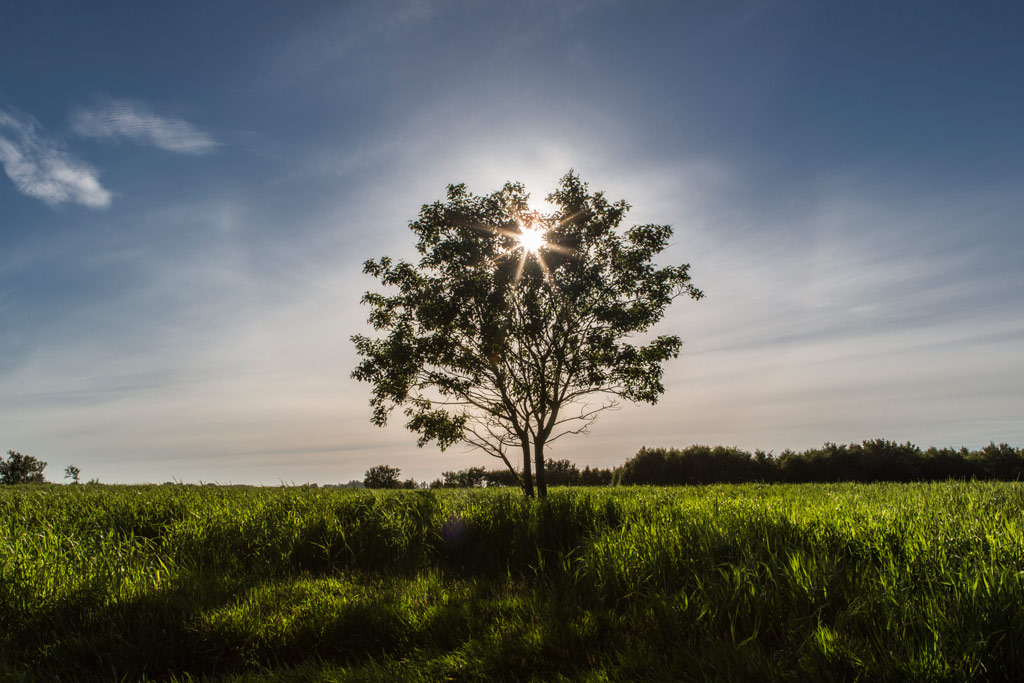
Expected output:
(513, 328)
(869, 461)
(472, 477)
(382, 477)
(561, 473)
(21, 469)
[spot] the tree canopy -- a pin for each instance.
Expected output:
(516, 327)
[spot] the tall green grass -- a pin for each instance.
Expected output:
(797, 582)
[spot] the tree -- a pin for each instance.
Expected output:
(561, 473)
(71, 472)
(21, 469)
(382, 477)
(514, 327)
(502, 477)
(469, 478)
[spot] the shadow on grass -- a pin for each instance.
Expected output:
(206, 626)
(370, 626)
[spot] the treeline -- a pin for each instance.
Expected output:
(558, 472)
(870, 461)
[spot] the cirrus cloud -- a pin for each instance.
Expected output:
(42, 167)
(116, 119)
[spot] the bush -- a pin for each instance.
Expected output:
(382, 477)
(558, 473)
(21, 469)
(502, 477)
(470, 478)
(561, 473)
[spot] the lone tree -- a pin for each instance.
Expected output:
(513, 328)
(21, 469)
(382, 477)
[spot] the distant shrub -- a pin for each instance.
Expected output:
(21, 469)
(558, 473)
(470, 478)
(502, 477)
(382, 477)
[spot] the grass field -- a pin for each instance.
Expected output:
(787, 582)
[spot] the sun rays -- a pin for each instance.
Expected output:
(529, 236)
(531, 239)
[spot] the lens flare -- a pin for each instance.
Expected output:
(531, 240)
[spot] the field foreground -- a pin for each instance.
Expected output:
(783, 582)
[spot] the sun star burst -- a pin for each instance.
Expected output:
(531, 240)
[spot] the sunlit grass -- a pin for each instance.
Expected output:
(771, 582)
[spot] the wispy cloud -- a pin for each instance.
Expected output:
(115, 119)
(41, 166)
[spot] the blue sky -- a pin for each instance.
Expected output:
(189, 190)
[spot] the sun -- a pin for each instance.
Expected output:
(531, 239)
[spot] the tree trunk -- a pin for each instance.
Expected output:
(542, 485)
(527, 475)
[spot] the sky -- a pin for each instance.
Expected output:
(189, 190)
